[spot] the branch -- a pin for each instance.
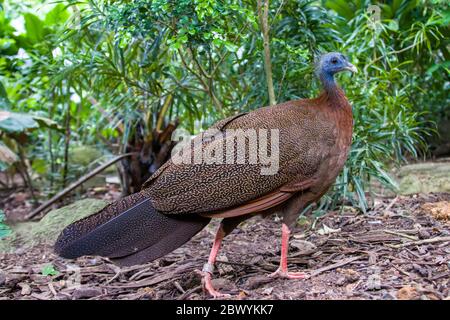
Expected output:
(207, 88)
(194, 58)
(74, 185)
(263, 14)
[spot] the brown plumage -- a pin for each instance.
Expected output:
(179, 199)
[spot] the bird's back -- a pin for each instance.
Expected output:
(306, 136)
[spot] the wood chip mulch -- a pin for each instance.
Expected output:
(398, 250)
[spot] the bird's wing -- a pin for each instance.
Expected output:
(263, 203)
(219, 125)
(207, 188)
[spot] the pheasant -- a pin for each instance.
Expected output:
(181, 198)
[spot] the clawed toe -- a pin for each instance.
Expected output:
(208, 287)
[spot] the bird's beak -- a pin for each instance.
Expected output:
(351, 68)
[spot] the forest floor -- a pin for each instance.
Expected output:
(398, 250)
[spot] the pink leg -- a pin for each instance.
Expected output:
(282, 271)
(208, 267)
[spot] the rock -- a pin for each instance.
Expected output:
(28, 234)
(424, 178)
(86, 292)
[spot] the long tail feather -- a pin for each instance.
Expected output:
(129, 231)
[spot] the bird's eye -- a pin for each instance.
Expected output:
(334, 60)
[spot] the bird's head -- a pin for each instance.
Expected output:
(331, 63)
(328, 65)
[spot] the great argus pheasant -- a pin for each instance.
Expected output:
(181, 198)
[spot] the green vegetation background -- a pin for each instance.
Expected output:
(93, 72)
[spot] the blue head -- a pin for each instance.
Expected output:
(329, 64)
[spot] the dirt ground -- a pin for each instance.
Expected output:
(398, 250)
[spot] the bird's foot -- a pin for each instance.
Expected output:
(208, 286)
(288, 275)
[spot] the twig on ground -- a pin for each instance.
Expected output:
(139, 273)
(425, 241)
(401, 234)
(338, 264)
(391, 204)
(402, 271)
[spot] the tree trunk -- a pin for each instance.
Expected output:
(150, 154)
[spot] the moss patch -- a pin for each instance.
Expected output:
(27, 234)
(424, 178)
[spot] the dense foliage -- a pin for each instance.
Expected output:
(106, 71)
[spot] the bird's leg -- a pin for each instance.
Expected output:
(209, 267)
(282, 270)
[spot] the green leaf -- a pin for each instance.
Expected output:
(433, 68)
(49, 270)
(16, 122)
(39, 166)
(392, 25)
(8, 47)
(20, 122)
(34, 27)
(57, 15)
(231, 47)
(48, 123)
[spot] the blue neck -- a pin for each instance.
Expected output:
(328, 83)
